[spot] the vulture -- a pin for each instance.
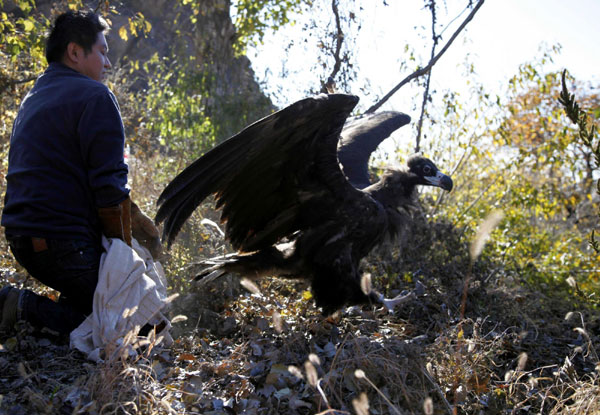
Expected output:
(290, 209)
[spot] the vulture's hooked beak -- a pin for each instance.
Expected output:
(440, 180)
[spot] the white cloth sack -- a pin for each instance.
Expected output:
(131, 292)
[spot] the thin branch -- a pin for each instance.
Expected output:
(466, 154)
(423, 105)
(432, 62)
(328, 86)
(7, 84)
(339, 39)
(477, 199)
(435, 39)
(438, 390)
(101, 3)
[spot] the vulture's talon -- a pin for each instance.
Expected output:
(391, 303)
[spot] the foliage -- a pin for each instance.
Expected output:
(21, 56)
(253, 18)
(515, 154)
(20, 38)
(176, 119)
(587, 135)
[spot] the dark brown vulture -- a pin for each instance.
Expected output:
(287, 206)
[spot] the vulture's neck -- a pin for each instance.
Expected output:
(396, 193)
(395, 189)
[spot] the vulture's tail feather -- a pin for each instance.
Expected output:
(263, 263)
(209, 275)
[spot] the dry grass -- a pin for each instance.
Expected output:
(508, 350)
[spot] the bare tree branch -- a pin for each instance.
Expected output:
(435, 39)
(432, 62)
(339, 40)
(102, 5)
(7, 83)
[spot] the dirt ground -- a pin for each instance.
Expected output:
(272, 352)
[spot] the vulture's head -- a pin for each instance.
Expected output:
(426, 173)
(396, 187)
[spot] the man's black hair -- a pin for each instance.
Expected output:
(81, 27)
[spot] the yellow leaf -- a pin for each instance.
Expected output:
(123, 33)
(307, 295)
(132, 27)
(28, 25)
(25, 6)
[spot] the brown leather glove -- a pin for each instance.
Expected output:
(116, 221)
(144, 231)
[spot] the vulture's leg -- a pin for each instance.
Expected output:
(391, 303)
(376, 297)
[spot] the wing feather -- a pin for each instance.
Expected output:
(262, 176)
(360, 137)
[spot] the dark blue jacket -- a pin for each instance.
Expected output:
(65, 158)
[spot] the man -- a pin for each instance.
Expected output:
(67, 179)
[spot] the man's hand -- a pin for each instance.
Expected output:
(145, 232)
(116, 221)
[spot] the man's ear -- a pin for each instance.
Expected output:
(73, 53)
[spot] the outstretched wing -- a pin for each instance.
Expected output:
(265, 175)
(360, 137)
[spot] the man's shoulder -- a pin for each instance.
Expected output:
(97, 90)
(87, 87)
(71, 81)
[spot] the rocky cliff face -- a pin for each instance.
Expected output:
(234, 99)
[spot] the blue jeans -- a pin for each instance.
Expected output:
(68, 266)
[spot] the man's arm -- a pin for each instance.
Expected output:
(120, 216)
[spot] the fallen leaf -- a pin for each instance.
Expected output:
(186, 356)
(282, 393)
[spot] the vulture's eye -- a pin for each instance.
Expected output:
(426, 169)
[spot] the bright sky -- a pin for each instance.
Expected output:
(506, 33)
(503, 34)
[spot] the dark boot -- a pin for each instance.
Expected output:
(9, 304)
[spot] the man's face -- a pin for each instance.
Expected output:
(95, 63)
